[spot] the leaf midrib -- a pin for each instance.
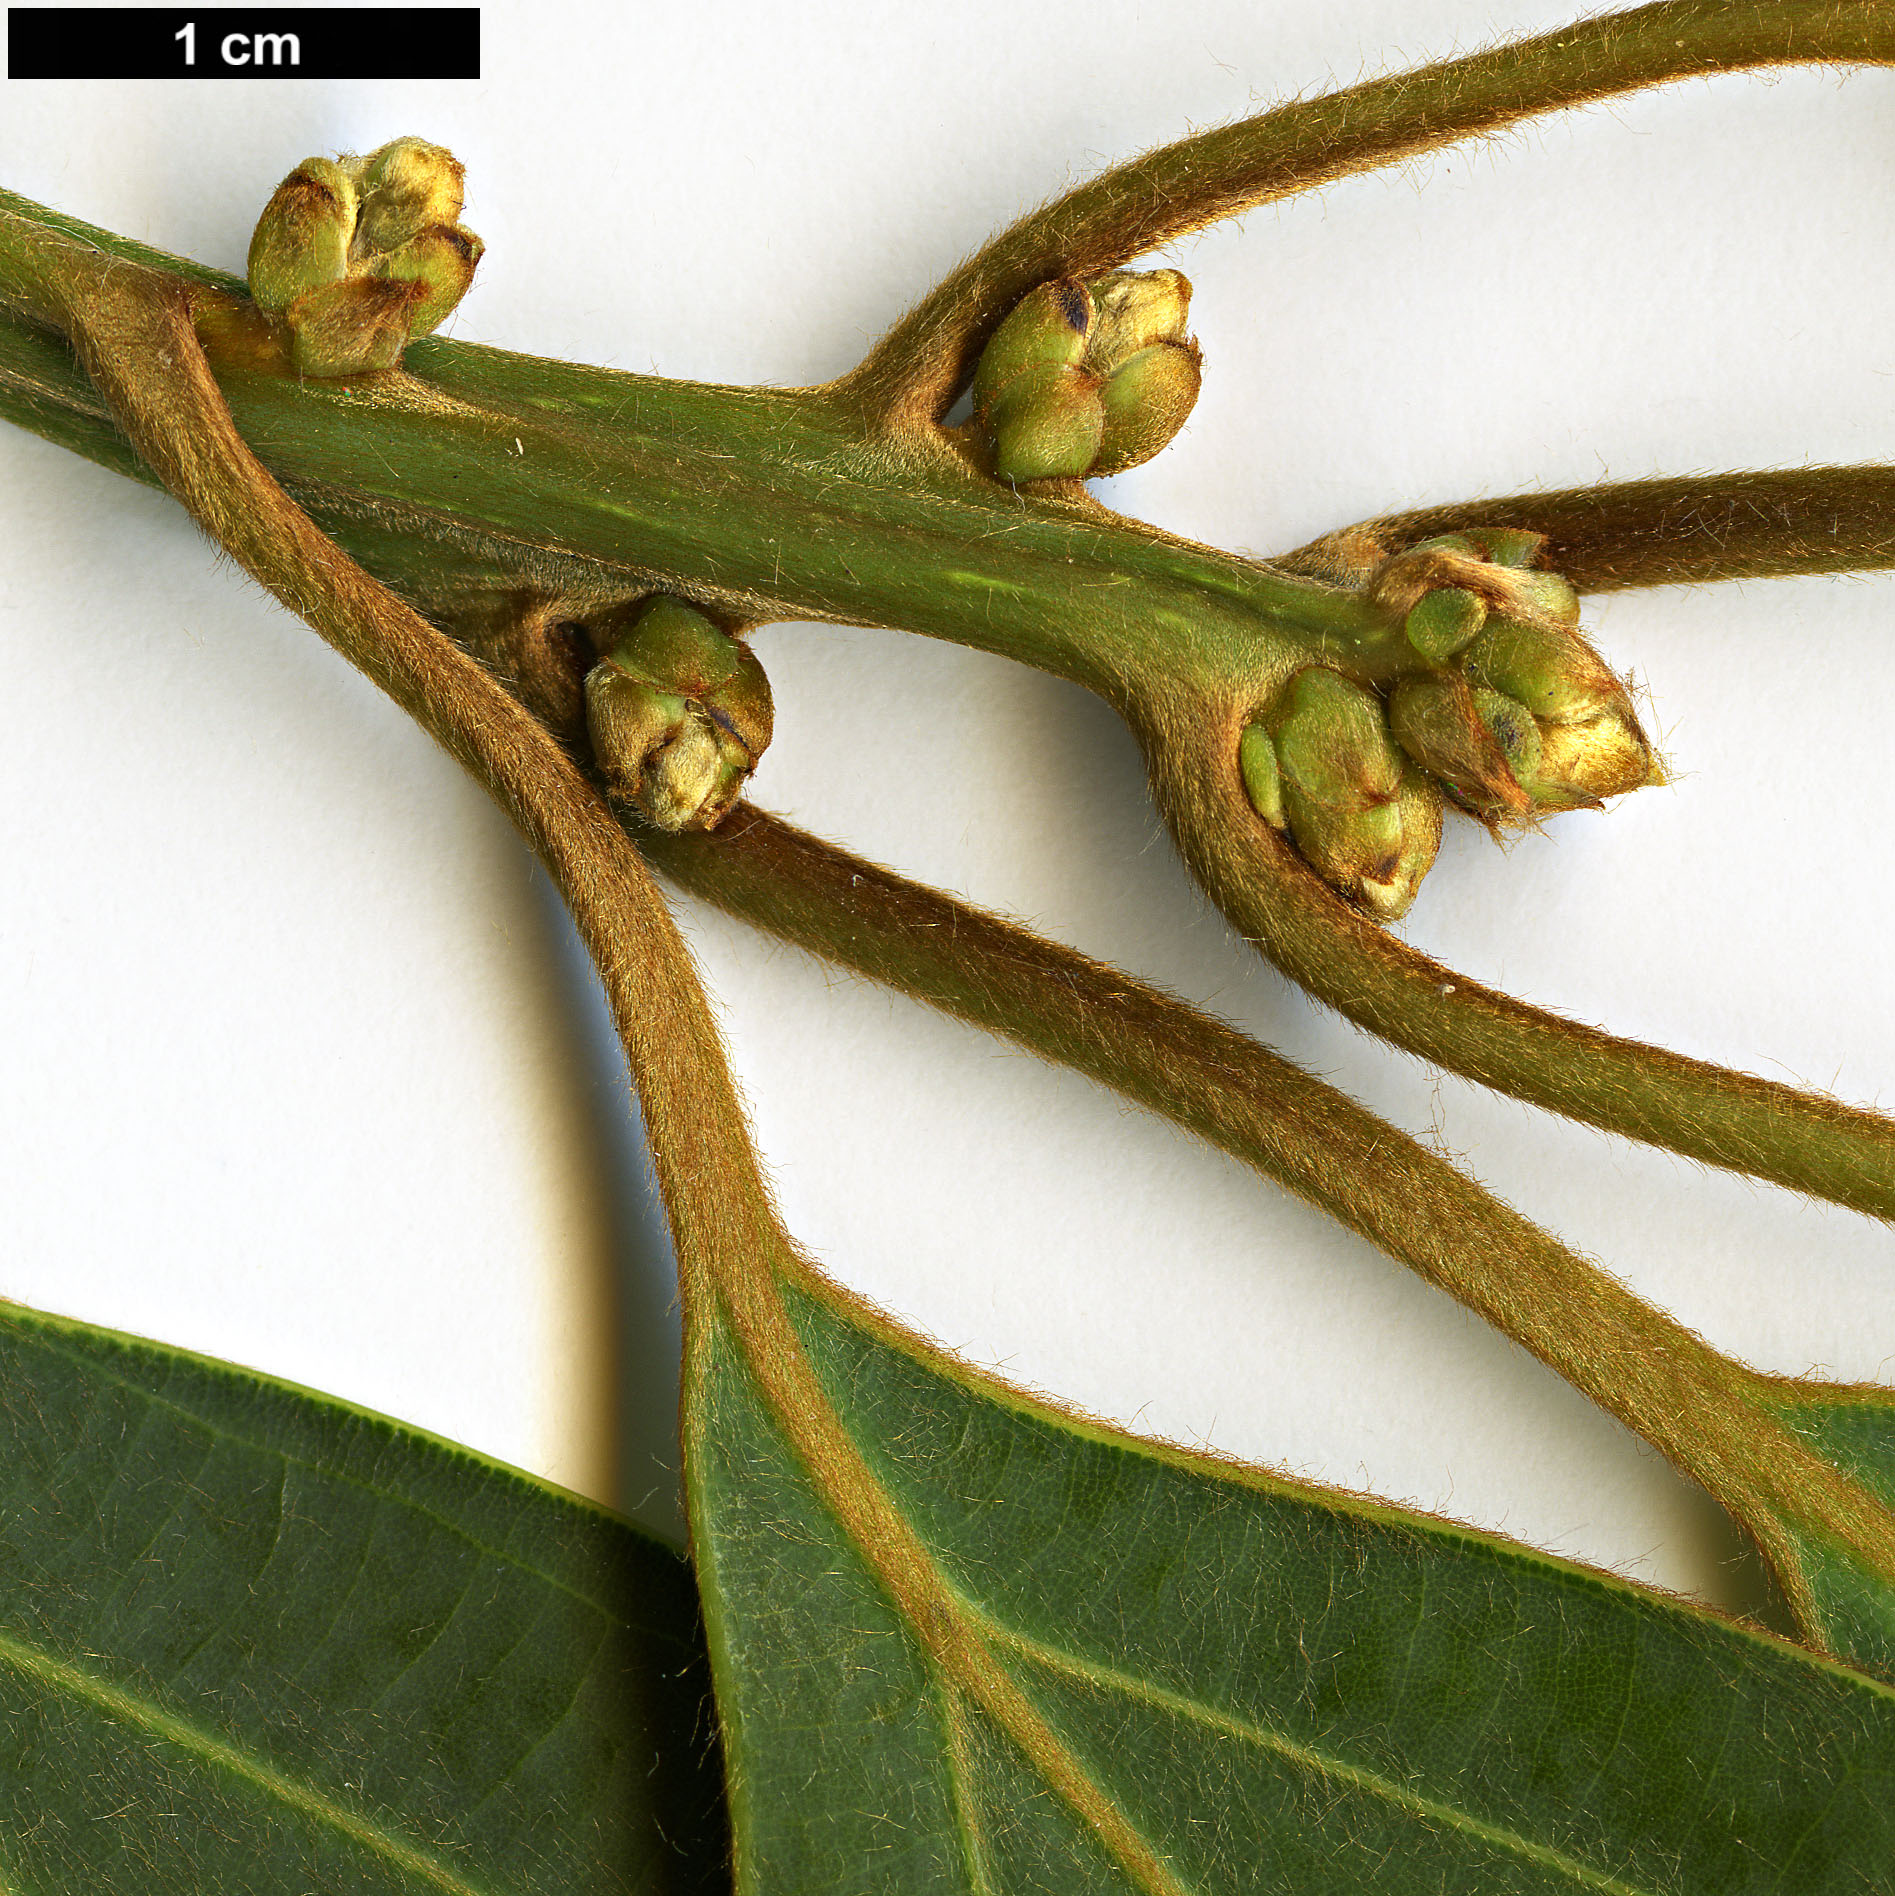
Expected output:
(1308, 1757)
(62, 1676)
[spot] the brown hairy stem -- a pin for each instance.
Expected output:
(134, 333)
(1673, 531)
(912, 375)
(1805, 1141)
(1711, 1417)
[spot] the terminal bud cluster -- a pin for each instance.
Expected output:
(1503, 708)
(1087, 376)
(679, 711)
(360, 256)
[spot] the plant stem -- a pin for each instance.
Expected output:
(1679, 531)
(1804, 1141)
(912, 375)
(496, 492)
(135, 333)
(1713, 1418)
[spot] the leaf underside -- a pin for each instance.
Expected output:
(253, 1640)
(1282, 1690)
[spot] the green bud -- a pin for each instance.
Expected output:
(406, 187)
(1378, 855)
(1333, 742)
(679, 712)
(1549, 668)
(1048, 327)
(1515, 730)
(667, 641)
(1365, 819)
(1441, 622)
(1263, 782)
(349, 327)
(688, 651)
(439, 264)
(1088, 377)
(1436, 721)
(1047, 423)
(1147, 399)
(302, 239)
(1132, 311)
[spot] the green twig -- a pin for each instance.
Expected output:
(134, 332)
(497, 491)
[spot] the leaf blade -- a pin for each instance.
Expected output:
(253, 1639)
(1377, 1701)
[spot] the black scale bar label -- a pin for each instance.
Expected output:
(243, 43)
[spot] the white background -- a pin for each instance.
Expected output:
(302, 1069)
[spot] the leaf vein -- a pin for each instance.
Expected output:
(1308, 1757)
(60, 1675)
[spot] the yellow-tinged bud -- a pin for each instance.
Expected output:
(1377, 855)
(407, 186)
(1460, 543)
(693, 781)
(1441, 622)
(1047, 424)
(1146, 399)
(1391, 892)
(1436, 721)
(1570, 765)
(1133, 310)
(360, 256)
(679, 712)
(630, 721)
(1549, 595)
(1087, 377)
(1601, 757)
(440, 265)
(1511, 712)
(302, 239)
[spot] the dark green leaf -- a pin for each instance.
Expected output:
(253, 1640)
(1855, 1429)
(1282, 1689)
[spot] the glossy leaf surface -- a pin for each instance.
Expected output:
(1283, 1689)
(254, 1640)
